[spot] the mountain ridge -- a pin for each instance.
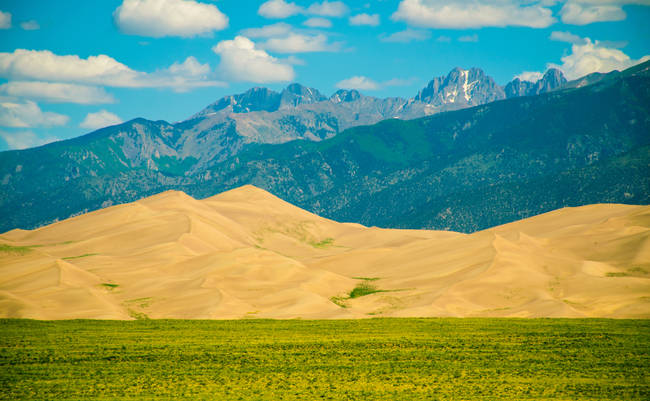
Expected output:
(496, 147)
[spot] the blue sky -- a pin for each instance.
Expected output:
(69, 67)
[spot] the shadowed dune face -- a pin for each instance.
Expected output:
(246, 253)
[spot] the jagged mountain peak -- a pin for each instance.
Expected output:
(254, 99)
(461, 87)
(345, 95)
(551, 80)
(296, 94)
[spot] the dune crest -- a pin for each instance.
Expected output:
(247, 254)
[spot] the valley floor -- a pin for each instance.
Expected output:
(388, 359)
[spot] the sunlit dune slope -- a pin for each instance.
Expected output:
(247, 254)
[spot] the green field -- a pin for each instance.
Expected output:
(388, 359)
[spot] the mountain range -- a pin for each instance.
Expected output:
(510, 153)
(247, 254)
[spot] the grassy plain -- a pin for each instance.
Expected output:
(396, 359)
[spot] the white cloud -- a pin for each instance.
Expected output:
(28, 114)
(285, 9)
(407, 35)
(318, 22)
(100, 119)
(43, 65)
(398, 82)
(273, 30)
(5, 20)
(56, 92)
(30, 25)
(581, 14)
(468, 38)
(24, 139)
(358, 82)
(158, 18)
(328, 9)
(364, 83)
(530, 76)
(567, 37)
(586, 57)
(594, 57)
(459, 14)
(365, 19)
(279, 9)
(242, 61)
(298, 43)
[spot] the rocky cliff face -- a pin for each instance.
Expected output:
(553, 79)
(461, 88)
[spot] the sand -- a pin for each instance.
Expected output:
(247, 254)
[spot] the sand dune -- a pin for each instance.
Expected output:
(247, 254)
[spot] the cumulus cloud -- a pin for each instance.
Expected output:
(299, 43)
(328, 9)
(460, 14)
(273, 30)
(407, 35)
(54, 92)
(158, 18)
(283, 39)
(43, 65)
(279, 9)
(30, 25)
(358, 82)
(242, 61)
(586, 57)
(100, 119)
(365, 19)
(27, 115)
(594, 57)
(24, 139)
(317, 22)
(5, 20)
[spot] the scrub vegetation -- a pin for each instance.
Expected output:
(368, 359)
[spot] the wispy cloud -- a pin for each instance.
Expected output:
(361, 82)
(406, 36)
(24, 139)
(5, 20)
(468, 38)
(31, 25)
(364, 19)
(283, 9)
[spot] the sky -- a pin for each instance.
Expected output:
(70, 67)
